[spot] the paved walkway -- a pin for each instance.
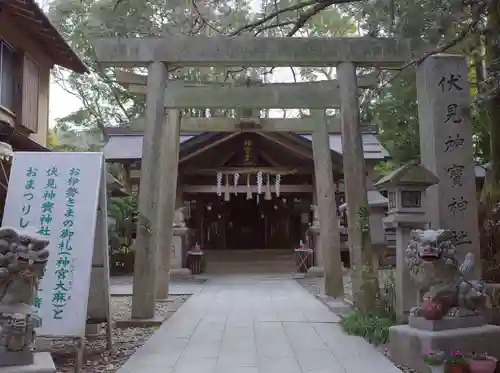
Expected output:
(256, 324)
(122, 286)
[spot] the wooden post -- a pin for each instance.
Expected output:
(329, 236)
(127, 180)
(144, 299)
(167, 192)
(363, 279)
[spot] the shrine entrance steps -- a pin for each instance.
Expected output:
(258, 261)
(255, 324)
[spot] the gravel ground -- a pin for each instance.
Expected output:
(315, 286)
(125, 341)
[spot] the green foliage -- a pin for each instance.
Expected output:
(54, 144)
(123, 211)
(395, 108)
(384, 168)
(373, 328)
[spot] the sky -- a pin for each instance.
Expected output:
(59, 95)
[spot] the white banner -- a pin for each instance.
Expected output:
(57, 193)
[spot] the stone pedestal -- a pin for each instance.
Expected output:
(178, 236)
(180, 274)
(407, 293)
(407, 345)
(318, 255)
(93, 330)
(42, 363)
(315, 271)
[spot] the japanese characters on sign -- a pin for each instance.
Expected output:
(26, 214)
(49, 195)
(64, 265)
(29, 195)
(247, 151)
(57, 193)
(457, 203)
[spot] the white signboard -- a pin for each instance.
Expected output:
(58, 193)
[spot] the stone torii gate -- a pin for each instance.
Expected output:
(316, 96)
(161, 141)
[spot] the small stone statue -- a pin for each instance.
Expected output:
(23, 258)
(433, 265)
(179, 218)
(315, 222)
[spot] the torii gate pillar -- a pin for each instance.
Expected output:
(355, 185)
(145, 246)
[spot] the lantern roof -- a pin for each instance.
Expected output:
(411, 174)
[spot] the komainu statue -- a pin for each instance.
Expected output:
(432, 260)
(23, 257)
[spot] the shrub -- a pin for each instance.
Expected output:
(373, 328)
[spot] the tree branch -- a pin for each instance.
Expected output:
(318, 4)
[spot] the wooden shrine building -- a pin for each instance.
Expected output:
(218, 185)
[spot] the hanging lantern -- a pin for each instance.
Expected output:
(227, 195)
(236, 177)
(219, 184)
(259, 182)
(277, 184)
(249, 190)
(267, 195)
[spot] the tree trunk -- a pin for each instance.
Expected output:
(493, 66)
(490, 195)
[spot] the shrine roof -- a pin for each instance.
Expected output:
(372, 148)
(127, 144)
(375, 199)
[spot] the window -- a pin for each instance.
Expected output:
(7, 57)
(411, 198)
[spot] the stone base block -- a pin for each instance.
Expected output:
(42, 363)
(15, 358)
(407, 344)
(315, 271)
(93, 330)
(446, 323)
(138, 323)
(180, 274)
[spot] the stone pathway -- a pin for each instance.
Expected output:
(255, 324)
(122, 286)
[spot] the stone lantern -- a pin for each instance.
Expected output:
(405, 190)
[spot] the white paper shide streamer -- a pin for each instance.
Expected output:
(236, 177)
(259, 182)
(277, 184)
(219, 184)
